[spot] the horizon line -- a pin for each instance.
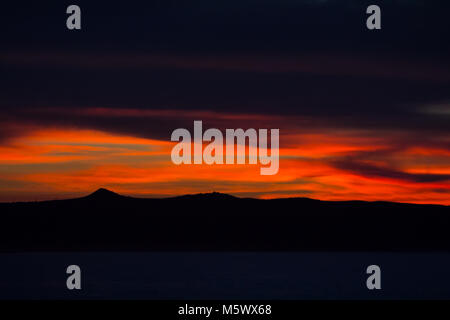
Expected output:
(113, 193)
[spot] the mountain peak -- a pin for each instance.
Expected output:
(103, 193)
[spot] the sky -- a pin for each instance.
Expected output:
(363, 115)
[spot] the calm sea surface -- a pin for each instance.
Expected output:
(230, 275)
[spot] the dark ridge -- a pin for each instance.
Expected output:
(103, 193)
(107, 221)
(209, 196)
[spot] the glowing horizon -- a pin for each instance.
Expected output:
(43, 163)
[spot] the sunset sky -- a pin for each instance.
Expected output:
(362, 115)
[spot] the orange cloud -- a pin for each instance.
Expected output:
(63, 162)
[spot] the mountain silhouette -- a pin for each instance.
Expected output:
(103, 194)
(209, 196)
(107, 221)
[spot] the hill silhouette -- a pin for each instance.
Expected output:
(105, 220)
(103, 194)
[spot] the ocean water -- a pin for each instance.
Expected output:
(225, 275)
